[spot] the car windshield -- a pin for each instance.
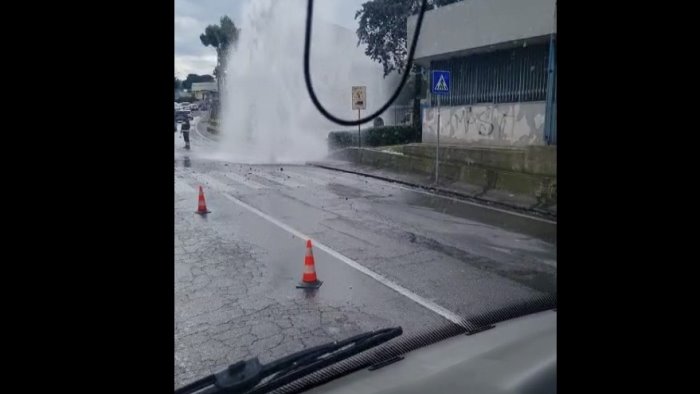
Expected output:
(292, 230)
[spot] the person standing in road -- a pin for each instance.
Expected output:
(185, 130)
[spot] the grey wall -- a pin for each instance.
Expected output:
(478, 23)
(507, 124)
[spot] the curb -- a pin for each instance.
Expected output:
(205, 128)
(540, 213)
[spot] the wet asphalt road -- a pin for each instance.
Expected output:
(236, 268)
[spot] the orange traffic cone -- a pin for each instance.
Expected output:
(309, 279)
(202, 207)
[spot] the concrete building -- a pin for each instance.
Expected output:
(501, 55)
(182, 93)
(204, 90)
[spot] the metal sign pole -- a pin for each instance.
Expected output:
(437, 146)
(359, 136)
(359, 100)
(440, 84)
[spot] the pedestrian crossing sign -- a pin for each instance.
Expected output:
(440, 82)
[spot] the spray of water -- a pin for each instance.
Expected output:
(266, 113)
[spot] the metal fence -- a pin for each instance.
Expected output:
(550, 129)
(509, 75)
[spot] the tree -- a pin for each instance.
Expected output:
(382, 27)
(221, 37)
(194, 78)
(178, 83)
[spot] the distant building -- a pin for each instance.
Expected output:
(501, 58)
(182, 93)
(204, 90)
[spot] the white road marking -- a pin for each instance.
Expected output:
(305, 177)
(552, 263)
(328, 175)
(280, 180)
(212, 182)
(183, 187)
(241, 179)
(381, 279)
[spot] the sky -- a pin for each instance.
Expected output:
(192, 16)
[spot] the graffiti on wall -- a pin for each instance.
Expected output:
(499, 124)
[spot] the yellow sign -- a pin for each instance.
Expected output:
(359, 97)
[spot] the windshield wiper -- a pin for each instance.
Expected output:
(245, 375)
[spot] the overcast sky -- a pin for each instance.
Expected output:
(192, 16)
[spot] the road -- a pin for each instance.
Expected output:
(388, 255)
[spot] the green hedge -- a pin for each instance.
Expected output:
(375, 136)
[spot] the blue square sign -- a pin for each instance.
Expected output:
(440, 82)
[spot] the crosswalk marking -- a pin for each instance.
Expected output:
(279, 179)
(329, 176)
(183, 187)
(245, 181)
(208, 180)
(306, 178)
